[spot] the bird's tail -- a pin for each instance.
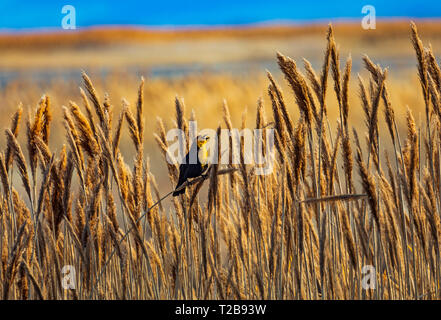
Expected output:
(177, 193)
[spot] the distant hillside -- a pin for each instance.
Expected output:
(102, 36)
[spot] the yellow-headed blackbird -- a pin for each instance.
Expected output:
(193, 170)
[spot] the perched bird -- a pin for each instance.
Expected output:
(193, 170)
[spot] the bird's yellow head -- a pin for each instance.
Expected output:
(202, 140)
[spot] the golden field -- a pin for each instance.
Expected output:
(356, 179)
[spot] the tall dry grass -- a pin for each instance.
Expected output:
(336, 201)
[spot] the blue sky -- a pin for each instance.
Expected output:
(23, 15)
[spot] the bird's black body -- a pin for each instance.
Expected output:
(189, 170)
